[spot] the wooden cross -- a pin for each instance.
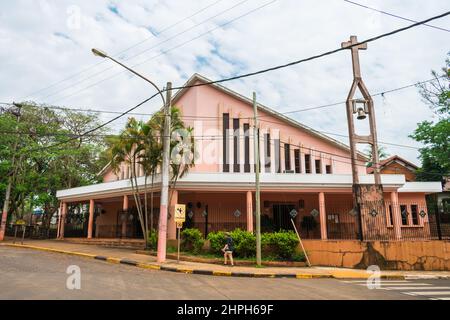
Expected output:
(355, 54)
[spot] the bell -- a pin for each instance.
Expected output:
(361, 114)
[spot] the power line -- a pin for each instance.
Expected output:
(384, 35)
(141, 52)
(166, 51)
(394, 15)
(272, 68)
(303, 109)
(118, 53)
(201, 138)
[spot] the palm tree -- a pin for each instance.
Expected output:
(150, 160)
(182, 149)
(128, 148)
(382, 154)
(140, 144)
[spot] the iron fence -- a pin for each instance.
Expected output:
(386, 221)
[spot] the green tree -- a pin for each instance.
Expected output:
(41, 170)
(435, 154)
(140, 144)
(382, 154)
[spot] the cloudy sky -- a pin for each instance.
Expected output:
(45, 54)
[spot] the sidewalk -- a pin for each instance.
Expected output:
(130, 257)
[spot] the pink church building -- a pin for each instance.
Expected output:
(303, 172)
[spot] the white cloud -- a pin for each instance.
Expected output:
(39, 49)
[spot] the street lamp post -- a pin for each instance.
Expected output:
(162, 229)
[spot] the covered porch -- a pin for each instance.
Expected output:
(321, 207)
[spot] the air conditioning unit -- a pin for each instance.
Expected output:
(289, 171)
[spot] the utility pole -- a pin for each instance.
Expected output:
(257, 193)
(366, 197)
(162, 230)
(11, 176)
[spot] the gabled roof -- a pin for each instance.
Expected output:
(199, 78)
(395, 158)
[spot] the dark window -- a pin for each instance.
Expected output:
(414, 214)
(267, 151)
(297, 160)
(287, 156)
(236, 167)
(226, 142)
(318, 166)
(391, 220)
(404, 213)
(307, 163)
(328, 169)
(276, 143)
(247, 147)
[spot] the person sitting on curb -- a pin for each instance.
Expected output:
(228, 249)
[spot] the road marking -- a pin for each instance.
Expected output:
(416, 288)
(381, 281)
(428, 293)
(399, 284)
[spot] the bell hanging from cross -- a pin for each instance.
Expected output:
(361, 114)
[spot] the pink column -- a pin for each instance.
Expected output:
(249, 211)
(124, 222)
(63, 220)
(396, 215)
(323, 216)
(171, 225)
(91, 218)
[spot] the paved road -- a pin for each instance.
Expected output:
(30, 274)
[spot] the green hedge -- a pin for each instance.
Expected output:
(192, 240)
(152, 240)
(280, 245)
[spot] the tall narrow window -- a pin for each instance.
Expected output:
(247, 147)
(276, 144)
(391, 220)
(414, 214)
(318, 166)
(404, 213)
(226, 142)
(328, 169)
(307, 163)
(287, 156)
(297, 160)
(236, 149)
(267, 152)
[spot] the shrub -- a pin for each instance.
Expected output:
(244, 243)
(152, 240)
(216, 241)
(192, 240)
(283, 244)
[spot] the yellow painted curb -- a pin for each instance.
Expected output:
(221, 273)
(148, 266)
(303, 276)
(113, 260)
(87, 255)
(321, 276)
(185, 270)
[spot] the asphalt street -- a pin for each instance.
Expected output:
(31, 274)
